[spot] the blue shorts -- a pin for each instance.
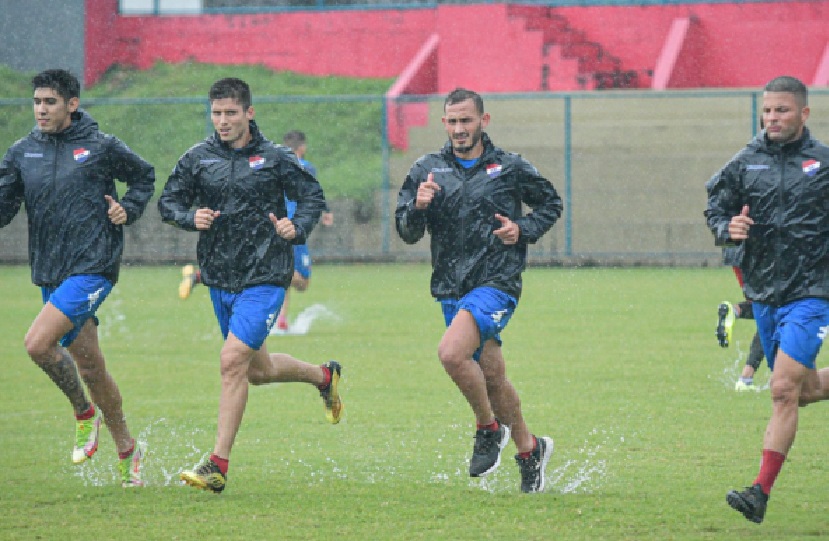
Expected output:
(491, 308)
(78, 298)
(302, 260)
(249, 314)
(797, 328)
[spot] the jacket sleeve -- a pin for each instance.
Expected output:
(139, 175)
(539, 194)
(302, 187)
(724, 201)
(178, 196)
(11, 189)
(409, 221)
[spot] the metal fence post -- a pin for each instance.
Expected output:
(568, 178)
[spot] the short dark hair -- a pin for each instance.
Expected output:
(293, 139)
(785, 83)
(462, 94)
(232, 88)
(61, 81)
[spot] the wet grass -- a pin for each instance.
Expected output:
(620, 367)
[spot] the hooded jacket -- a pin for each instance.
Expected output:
(786, 187)
(461, 218)
(63, 178)
(241, 249)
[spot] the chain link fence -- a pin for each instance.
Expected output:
(631, 167)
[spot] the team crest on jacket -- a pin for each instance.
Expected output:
(256, 162)
(810, 167)
(493, 170)
(80, 155)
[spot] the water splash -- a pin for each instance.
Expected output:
(304, 320)
(113, 321)
(170, 449)
(581, 470)
(734, 367)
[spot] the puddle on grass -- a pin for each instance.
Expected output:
(571, 470)
(581, 469)
(163, 461)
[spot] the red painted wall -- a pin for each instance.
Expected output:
(729, 45)
(377, 43)
(481, 48)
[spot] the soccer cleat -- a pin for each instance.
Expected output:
(741, 386)
(532, 468)
(725, 322)
(751, 502)
(331, 395)
(207, 476)
(130, 467)
(189, 279)
(86, 439)
(486, 454)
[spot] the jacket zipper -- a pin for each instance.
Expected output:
(778, 225)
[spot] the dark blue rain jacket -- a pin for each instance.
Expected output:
(63, 178)
(461, 218)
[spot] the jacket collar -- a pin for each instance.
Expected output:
(256, 139)
(81, 127)
(772, 147)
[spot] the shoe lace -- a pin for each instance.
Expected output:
(207, 468)
(485, 441)
(84, 429)
(529, 466)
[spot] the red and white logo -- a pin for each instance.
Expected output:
(810, 167)
(80, 155)
(256, 162)
(493, 170)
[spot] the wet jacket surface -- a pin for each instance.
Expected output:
(62, 178)
(241, 249)
(786, 187)
(461, 218)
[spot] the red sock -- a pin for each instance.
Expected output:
(87, 415)
(326, 374)
(126, 454)
(528, 453)
(491, 426)
(770, 466)
(222, 463)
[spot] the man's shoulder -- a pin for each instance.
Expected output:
(27, 141)
(431, 159)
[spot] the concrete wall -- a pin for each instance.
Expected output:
(42, 34)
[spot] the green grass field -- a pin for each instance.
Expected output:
(620, 367)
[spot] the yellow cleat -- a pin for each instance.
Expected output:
(331, 396)
(725, 323)
(189, 279)
(207, 476)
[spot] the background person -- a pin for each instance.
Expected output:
(469, 197)
(237, 180)
(727, 313)
(64, 170)
(771, 198)
(297, 142)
